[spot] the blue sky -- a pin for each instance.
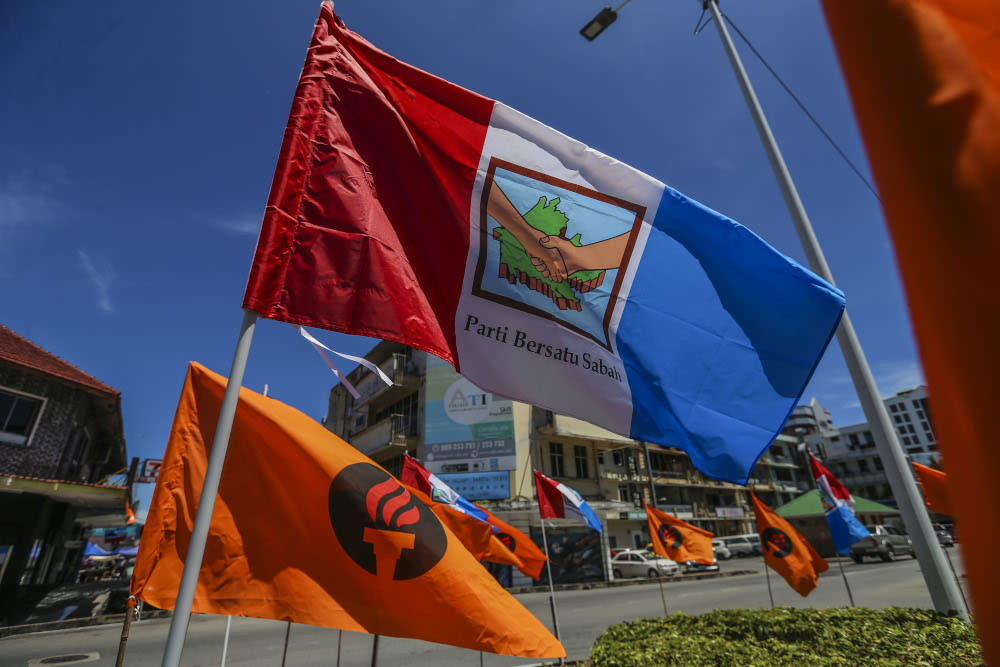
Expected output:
(137, 145)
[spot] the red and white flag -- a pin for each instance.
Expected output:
(834, 493)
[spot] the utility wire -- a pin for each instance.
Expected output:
(804, 109)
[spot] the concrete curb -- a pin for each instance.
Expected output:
(106, 619)
(585, 586)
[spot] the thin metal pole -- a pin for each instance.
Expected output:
(203, 518)
(958, 582)
(375, 651)
(340, 638)
(767, 576)
(850, 596)
(284, 653)
(552, 589)
(944, 593)
(225, 642)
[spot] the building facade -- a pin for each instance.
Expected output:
(60, 436)
(850, 453)
(486, 447)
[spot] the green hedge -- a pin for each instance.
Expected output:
(787, 636)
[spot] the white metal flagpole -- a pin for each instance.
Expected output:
(225, 642)
(552, 589)
(944, 592)
(203, 518)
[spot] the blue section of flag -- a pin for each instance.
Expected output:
(590, 517)
(845, 529)
(719, 337)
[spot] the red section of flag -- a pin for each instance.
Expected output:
(415, 475)
(551, 504)
(838, 490)
(367, 225)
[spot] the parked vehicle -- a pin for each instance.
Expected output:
(634, 563)
(739, 545)
(694, 566)
(755, 543)
(720, 550)
(945, 538)
(885, 542)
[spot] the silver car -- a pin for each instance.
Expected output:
(642, 564)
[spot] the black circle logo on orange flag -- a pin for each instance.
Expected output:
(507, 540)
(670, 536)
(778, 540)
(381, 526)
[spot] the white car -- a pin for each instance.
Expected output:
(642, 564)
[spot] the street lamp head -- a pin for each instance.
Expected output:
(597, 24)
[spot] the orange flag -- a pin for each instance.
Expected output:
(308, 529)
(935, 487)
(129, 514)
(786, 552)
(924, 78)
(532, 558)
(679, 540)
(477, 536)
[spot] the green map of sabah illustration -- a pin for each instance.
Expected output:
(516, 266)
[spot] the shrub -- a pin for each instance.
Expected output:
(787, 636)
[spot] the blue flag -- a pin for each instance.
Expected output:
(845, 529)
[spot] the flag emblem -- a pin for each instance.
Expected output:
(381, 526)
(777, 540)
(670, 536)
(553, 248)
(507, 540)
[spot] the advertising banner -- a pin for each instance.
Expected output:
(480, 486)
(466, 430)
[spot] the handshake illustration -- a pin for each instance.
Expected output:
(554, 256)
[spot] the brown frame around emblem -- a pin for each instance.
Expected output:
(477, 289)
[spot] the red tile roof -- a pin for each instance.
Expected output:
(22, 352)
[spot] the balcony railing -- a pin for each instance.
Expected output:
(396, 367)
(393, 430)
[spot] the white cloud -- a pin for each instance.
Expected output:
(22, 208)
(248, 225)
(101, 277)
(893, 376)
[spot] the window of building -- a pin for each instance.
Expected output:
(878, 464)
(18, 414)
(600, 458)
(854, 438)
(580, 456)
(920, 414)
(915, 439)
(623, 494)
(902, 430)
(916, 403)
(906, 416)
(618, 458)
(906, 440)
(910, 427)
(862, 465)
(924, 426)
(897, 419)
(893, 407)
(556, 466)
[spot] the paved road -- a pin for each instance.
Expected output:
(583, 615)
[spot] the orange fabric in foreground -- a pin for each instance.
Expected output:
(786, 551)
(308, 529)
(934, 484)
(924, 78)
(689, 542)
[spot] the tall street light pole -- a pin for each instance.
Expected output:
(943, 589)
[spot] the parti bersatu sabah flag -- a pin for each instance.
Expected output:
(522, 546)
(679, 540)
(409, 209)
(786, 551)
(308, 529)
